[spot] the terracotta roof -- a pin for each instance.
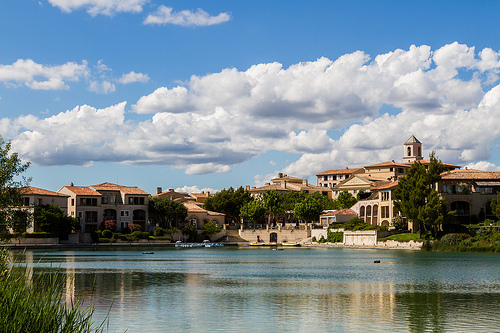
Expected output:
(121, 188)
(346, 211)
(386, 186)
(470, 174)
(388, 164)
(82, 190)
(429, 162)
(292, 179)
(194, 208)
(30, 190)
(275, 187)
(339, 171)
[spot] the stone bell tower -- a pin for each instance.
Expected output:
(412, 150)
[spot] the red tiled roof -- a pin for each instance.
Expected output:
(82, 190)
(388, 164)
(469, 174)
(386, 186)
(121, 188)
(339, 171)
(425, 162)
(194, 208)
(30, 190)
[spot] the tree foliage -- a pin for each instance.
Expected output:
(166, 212)
(228, 202)
(344, 200)
(274, 203)
(417, 199)
(50, 218)
(311, 207)
(495, 206)
(11, 167)
(210, 228)
(253, 210)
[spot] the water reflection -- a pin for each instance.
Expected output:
(328, 290)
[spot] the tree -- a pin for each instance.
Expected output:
(253, 210)
(495, 206)
(210, 228)
(228, 202)
(11, 167)
(344, 200)
(310, 208)
(50, 218)
(274, 203)
(414, 191)
(20, 220)
(433, 213)
(166, 212)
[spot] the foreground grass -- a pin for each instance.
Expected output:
(37, 304)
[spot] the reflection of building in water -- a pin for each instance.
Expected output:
(70, 279)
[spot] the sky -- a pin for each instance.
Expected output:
(204, 95)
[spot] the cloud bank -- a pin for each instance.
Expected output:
(447, 98)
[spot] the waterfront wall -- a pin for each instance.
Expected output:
(282, 235)
(360, 238)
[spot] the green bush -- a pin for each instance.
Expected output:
(106, 240)
(453, 239)
(322, 239)
(163, 238)
(334, 237)
(107, 233)
(159, 232)
(145, 235)
(38, 235)
(313, 239)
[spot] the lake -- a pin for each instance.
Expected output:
(248, 289)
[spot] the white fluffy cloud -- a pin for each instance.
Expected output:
(104, 7)
(133, 77)
(166, 15)
(42, 77)
(222, 119)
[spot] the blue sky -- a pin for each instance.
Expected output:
(198, 95)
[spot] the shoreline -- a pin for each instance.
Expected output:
(172, 245)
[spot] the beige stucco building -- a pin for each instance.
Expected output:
(93, 205)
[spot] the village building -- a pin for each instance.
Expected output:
(93, 205)
(286, 184)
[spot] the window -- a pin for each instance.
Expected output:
(124, 213)
(88, 201)
(136, 200)
(73, 202)
(27, 201)
(104, 199)
(409, 151)
(38, 202)
(80, 215)
(391, 169)
(384, 196)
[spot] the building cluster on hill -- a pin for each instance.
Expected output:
(467, 192)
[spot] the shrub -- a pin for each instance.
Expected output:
(110, 225)
(383, 227)
(313, 239)
(453, 239)
(159, 232)
(38, 235)
(95, 236)
(107, 233)
(334, 237)
(134, 227)
(145, 235)
(322, 239)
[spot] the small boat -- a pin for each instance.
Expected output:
(148, 253)
(290, 244)
(258, 244)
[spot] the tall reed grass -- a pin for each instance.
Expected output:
(36, 303)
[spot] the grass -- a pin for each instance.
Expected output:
(37, 304)
(405, 237)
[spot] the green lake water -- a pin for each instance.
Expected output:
(294, 290)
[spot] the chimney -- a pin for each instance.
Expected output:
(202, 192)
(280, 175)
(208, 193)
(247, 187)
(304, 182)
(71, 184)
(158, 190)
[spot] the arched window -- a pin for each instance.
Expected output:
(409, 151)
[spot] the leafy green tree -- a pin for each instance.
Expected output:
(495, 206)
(210, 228)
(344, 200)
(434, 213)
(189, 231)
(274, 203)
(166, 212)
(11, 167)
(20, 220)
(310, 207)
(50, 218)
(414, 190)
(253, 210)
(228, 202)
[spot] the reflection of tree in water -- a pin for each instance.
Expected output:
(435, 311)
